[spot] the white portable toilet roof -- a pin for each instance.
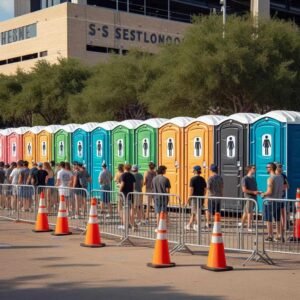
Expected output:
(244, 118)
(130, 124)
(36, 129)
(109, 125)
(154, 122)
(52, 128)
(70, 127)
(88, 127)
(7, 131)
(284, 116)
(179, 121)
(211, 119)
(21, 130)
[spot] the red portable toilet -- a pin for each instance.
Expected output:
(3, 143)
(15, 144)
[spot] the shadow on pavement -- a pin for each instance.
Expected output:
(7, 247)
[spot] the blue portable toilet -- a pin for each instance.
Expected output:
(275, 137)
(100, 150)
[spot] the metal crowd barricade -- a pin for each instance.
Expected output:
(281, 230)
(77, 200)
(8, 202)
(236, 237)
(111, 213)
(26, 202)
(143, 222)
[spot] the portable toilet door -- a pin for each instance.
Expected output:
(62, 143)
(233, 153)
(199, 146)
(3, 143)
(45, 143)
(15, 144)
(171, 152)
(29, 144)
(146, 147)
(123, 144)
(275, 137)
(101, 150)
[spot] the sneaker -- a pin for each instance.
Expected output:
(155, 230)
(279, 239)
(187, 227)
(138, 223)
(107, 216)
(195, 227)
(145, 222)
(240, 224)
(76, 217)
(121, 227)
(269, 239)
(250, 230)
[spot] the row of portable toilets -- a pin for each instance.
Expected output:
(180, 143)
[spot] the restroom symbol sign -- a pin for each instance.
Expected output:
(29, 149)
(170, 147)
(44, 149)
(99, 148)
(79, 149)
(120, 147)
(61, 148)
(197, 146)
(145, 148)
(266, 145)
(230, 145)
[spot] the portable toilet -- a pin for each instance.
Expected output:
(275, 137)
(233, 152)
(15, 144)
(171, 152)
(146, 143)
(62, 143)
(3, 143)
(200, 135)
(29, 144)
(123, 144)
(45, 143)
(101, 150)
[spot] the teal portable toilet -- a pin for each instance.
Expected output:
(101, 150)
(275, 137)
(123, 144)
(233, 153)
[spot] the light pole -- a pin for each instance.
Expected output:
(223, 9)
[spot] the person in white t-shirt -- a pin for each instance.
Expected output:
(14, 179)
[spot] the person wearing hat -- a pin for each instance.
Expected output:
(104, 180)
(215, 186)
(197, 189)
(138, 199)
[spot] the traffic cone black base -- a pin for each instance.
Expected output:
(92, 246)
(50, 230)
(228, 268)
(161, 266)
(61, 234)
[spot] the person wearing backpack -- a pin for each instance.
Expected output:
(2, 180)
(76, 184)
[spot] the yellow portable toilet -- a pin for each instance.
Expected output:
(29, 144)
(171, 152)
(44, 144)
(200, 146)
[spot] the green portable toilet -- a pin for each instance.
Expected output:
(146, 143)
(123, 144)
(62, 143)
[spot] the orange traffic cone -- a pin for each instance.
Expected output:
(42, 224)
(296, 237)
(161, 257)
(62, 227)
(92, 237)
(216, 257)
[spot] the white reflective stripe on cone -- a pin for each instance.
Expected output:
(62, 205)
(62, 214)
(217, 240)
(43, 210)
(93, 210)
(217, 227)
(297, 216)
(161, 236)
(93, 220)
(162, 224)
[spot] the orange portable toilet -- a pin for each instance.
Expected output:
(200, 146)
(29, 144)
(44, 143)
(15, 144)
(171, 152)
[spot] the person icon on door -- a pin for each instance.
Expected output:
(145, 148)
(120, 148)
(14, 149)
(44, 148)
(197, 147)
(29, 148)
(170, 147)
(61, 148)
(267, 146)
(230, 146)
(99, 148)
(79, 149)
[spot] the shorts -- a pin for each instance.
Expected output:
(148, 198)
(78, 192)
(248, 208)
(25, 192)
(64, 192)
(214, 205)
(272, 210)
(105, 194)
(138, 200)
(129, 199)
(161, 205)
(196, 204)
(7, 190)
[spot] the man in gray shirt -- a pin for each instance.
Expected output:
(104, 180)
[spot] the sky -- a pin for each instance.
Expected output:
(6, 9)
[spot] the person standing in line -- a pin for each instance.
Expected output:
(2, 181)
(215, 187)
(197, 189)
(161, 185)
(138, 198)
(77, 186)
(104, 180)
(27, 192)
(117, 180)
(249, 188)
(272, 209)
(9, 190)
(14, 179)
(148, 178)
(50, 181)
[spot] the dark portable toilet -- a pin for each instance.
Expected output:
(3, 143)
(101, 150)
(62, 143)
(123, 144)
(233, 152)
(146, 138)
(275, 137)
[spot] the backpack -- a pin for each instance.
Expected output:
(2, 176)
(84, 179)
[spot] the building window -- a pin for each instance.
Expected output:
(29, 56)
(14, 60)
(106, 50)
(43, 53)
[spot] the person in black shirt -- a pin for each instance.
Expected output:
(41, 175)
(197, 188)
(126, 187)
